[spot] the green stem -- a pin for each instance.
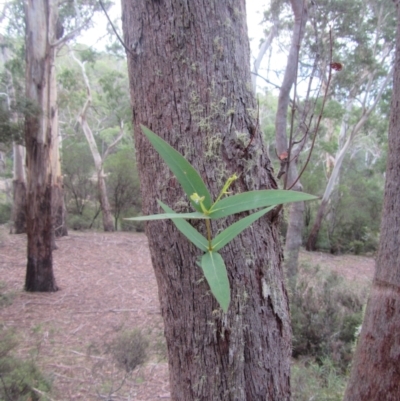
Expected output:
(224, 190)
(208, 225)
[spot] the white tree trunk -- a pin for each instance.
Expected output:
(41, 16)
(98, 160)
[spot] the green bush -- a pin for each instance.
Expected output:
(5, 297)
(90, 218)
(131, 225)
(5, 212)
(319, 382)
(326, 314)
(20, 379)
(79, 222)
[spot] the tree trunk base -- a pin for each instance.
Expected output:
(43, 281)
(378, 348)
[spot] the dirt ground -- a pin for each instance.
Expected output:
(107, 286)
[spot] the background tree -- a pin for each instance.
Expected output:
(201, 102)
(12, 55)
(369, 46)
(109, 98)
(354, 93)
(284, 139)
(123, 184)
(40, 23)
(375, 374)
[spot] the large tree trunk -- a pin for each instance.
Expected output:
(375, 373)
(190, 83)
(40, 19)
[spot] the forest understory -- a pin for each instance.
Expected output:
(107, 289)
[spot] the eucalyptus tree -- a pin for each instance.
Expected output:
(365, 51)
(40, 24)
(44, 35)
(12, 57)
(284, 138)
(100, 107)
(375, 374)
(347, 62)
(190, 83)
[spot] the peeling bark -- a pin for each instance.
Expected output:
(190, 83)
(40, 19)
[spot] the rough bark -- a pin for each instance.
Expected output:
(40, 17)
(190, 83)
(375, 373)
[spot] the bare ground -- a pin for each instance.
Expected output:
(107, 286)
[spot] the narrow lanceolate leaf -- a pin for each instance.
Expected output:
(214, 270)
(187, 230)
(186, 175)
(236, 228)
(173, 215)
(256, 199)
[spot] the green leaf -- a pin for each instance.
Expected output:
(188, 230)
(236, 228)
(186, 175)
(172, 215)
(256, 199)
(214, 270)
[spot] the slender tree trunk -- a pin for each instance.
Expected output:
(40, 19)
(375, 373)
(313, 236)
(189, 70)
(263, 49)
(330, 186)
(294, 238)
(58, 205)
(19, 190)
(296, 214)
(108, 224)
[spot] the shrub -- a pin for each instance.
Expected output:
(90, 218)
(5, 297)
(325, 316)
(5, 213)
(319, 382)
(20, 379)
(129, 349)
